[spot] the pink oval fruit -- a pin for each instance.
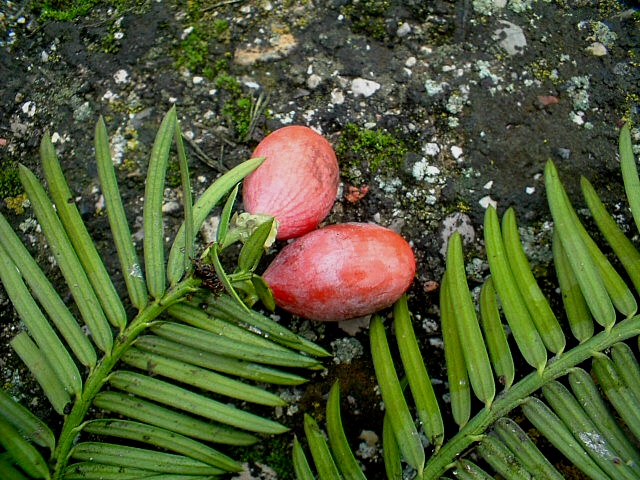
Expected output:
(297, 183)
(341, 271)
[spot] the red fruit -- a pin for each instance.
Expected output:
(297, 183)
(341, 271)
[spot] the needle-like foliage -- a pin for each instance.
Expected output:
(590, 417)
(157, 393)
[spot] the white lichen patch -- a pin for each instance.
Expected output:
(345, 350)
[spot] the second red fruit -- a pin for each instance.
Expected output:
(341, 271)
(297, 183)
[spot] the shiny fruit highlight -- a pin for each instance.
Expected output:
(297, 183)
(341, 271)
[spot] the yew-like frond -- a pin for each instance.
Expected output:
(165, 389)
(590, 417)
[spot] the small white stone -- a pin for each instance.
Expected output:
(597, 49)
(488, 185)
(510, 37)
(486, 202)
(456, 152)
(197, 80)
(432, 149)
(403, 30)
(121, 76)
(337, 96)
(530, 190)
(410, 62)
(29, 108)
(186, 32)
(314, 81)
(363, 87)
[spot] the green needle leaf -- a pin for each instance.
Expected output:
(496, 338)
(71, 268)
(253, 248)
(225, 217)
(575, 306)
(619, 394)
(99, 471)
(629, 172)
(621, 245)
(393, 397)
(582, 264)
(543, 317)
(162, 438)
(172, 420)
(391, 451)
(301, 466)
(585, 431)
(525, 450)
(183, 399)
(502, 459)
(154, 262)
(199, 377)
(459, 390)
(142, 458)
(41, 368)
(588, 395)
(48, 342)
(327, 469)
(43, 291)
(129, 262)
(424, 397)
(475, 353)
(213, 343)
(344, 459)
(627, 366)
(22, 452)
(225, 307)
(201, 209)
(219, 363)
(26, 423)
(187, 200)
(515, 310)
(555, 430)
(80, 239)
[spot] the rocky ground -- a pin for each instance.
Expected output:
(438, 108)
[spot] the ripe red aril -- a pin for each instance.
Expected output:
(341, 271)
(297, 183)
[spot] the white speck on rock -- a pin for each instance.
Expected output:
(597, 49)
(363, 87)
(197, 80)
(431, 149)
(530, 190)
(314, 81)
(456, 222)
(488, 185)
(403, 30)
(487, 201)
(121, 76)
(337, 96)
(456, 152)
(410, 62)
(29, 108)
(510, 37)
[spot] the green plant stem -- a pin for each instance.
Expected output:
(100, 373)
(511, 398)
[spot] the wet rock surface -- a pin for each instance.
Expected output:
(436, 110)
